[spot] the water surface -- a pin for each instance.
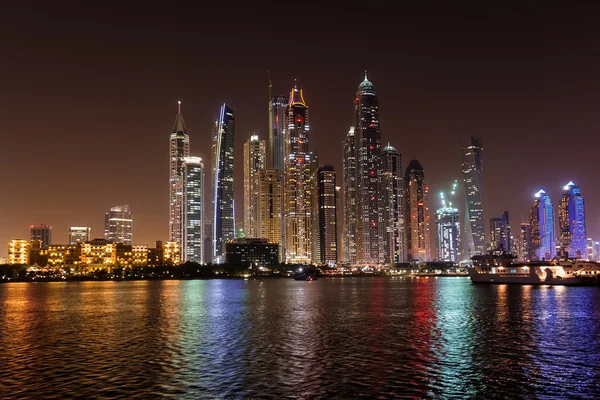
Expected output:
(331, 338)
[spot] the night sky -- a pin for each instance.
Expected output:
(88, 98)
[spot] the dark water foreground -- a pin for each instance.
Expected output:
(332, 338)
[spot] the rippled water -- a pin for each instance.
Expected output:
(332, 338)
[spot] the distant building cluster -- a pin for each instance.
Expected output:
(295, 212)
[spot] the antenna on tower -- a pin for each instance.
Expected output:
(179, 106)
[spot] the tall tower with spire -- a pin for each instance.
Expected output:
(179, 149)
(369, 235)
(297, 181)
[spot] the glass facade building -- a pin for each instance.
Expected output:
(416, 213)
(179, 148)
(118, 225)
(392, 206)
(223, 214)
(542, 227)
(571, 219)
(254, 161)
(193, 239)
(447, 223)
(472, 166)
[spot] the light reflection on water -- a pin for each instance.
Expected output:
(336, 337)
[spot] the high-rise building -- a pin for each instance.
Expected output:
(18, 252)
(223, 214)
(270, 206)
(179, 148)
(590, 249)
(527, 252)
(447, 222)
(277, 133)
(118, 225)
(500, 233)
(350, 197)
(43, 233)
(79, 234)
(297, 181)
(370, 234)
(542, 227)
(392, 206)
(192, 248)
(571, 220)
(472, 166)
(416, 212)
(254, 161)
(324, 216)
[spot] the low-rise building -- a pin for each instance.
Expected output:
(18, 252)
(251, 251)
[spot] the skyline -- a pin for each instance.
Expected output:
(515, 100)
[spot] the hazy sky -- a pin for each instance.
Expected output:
(89, 97)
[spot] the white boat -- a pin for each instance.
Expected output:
(501, 269)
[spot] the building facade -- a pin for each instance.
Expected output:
(541, 219)
(118, 225)
(192, 248)
(500, 235)
(527, 252)
(223, 212)
(350, 188)
(370, 233)
(297, 177)
(270, 206)
(472, 166)
(392, 206)
(277, 133)
(251, 251)
(179, 149)
(447, 223)
(18, 252)
(79, 234)
(324, 216)
(254, 161)
(43, 233)
(571, 220)
(416, 211)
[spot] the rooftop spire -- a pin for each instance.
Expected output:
(179, 125)
(179, 107)
(366, 75)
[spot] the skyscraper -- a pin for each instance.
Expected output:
(370, 234)
(179, 149)
(254, 161)
(118, 225)
(277, 138)
(447, 223)
(42, 233)
(350, 197)
(571, 219)
(193, 194)
(79, 234)
(527, 252)
(416, 212)
(270, 206)
(324, 215)
(472, 166)
(500, 233)
(222, 182)
(297, 181)
(392, 206)
(542, 227)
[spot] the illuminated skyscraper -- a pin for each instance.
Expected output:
(277, 139)
(324, 216)
(527, 252)
(179, 149)
(297, 181)
(223, 215)
(447, 222)
(370, 232)
(571, 219)
(392, 206)
(542, 227)
(193, 238)
(254, 161)
(500, 233)
(270, 206)
(472, 165)
(42, 233)
(79, 234)
(118, 225)
(350, 198)
(416, 211)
